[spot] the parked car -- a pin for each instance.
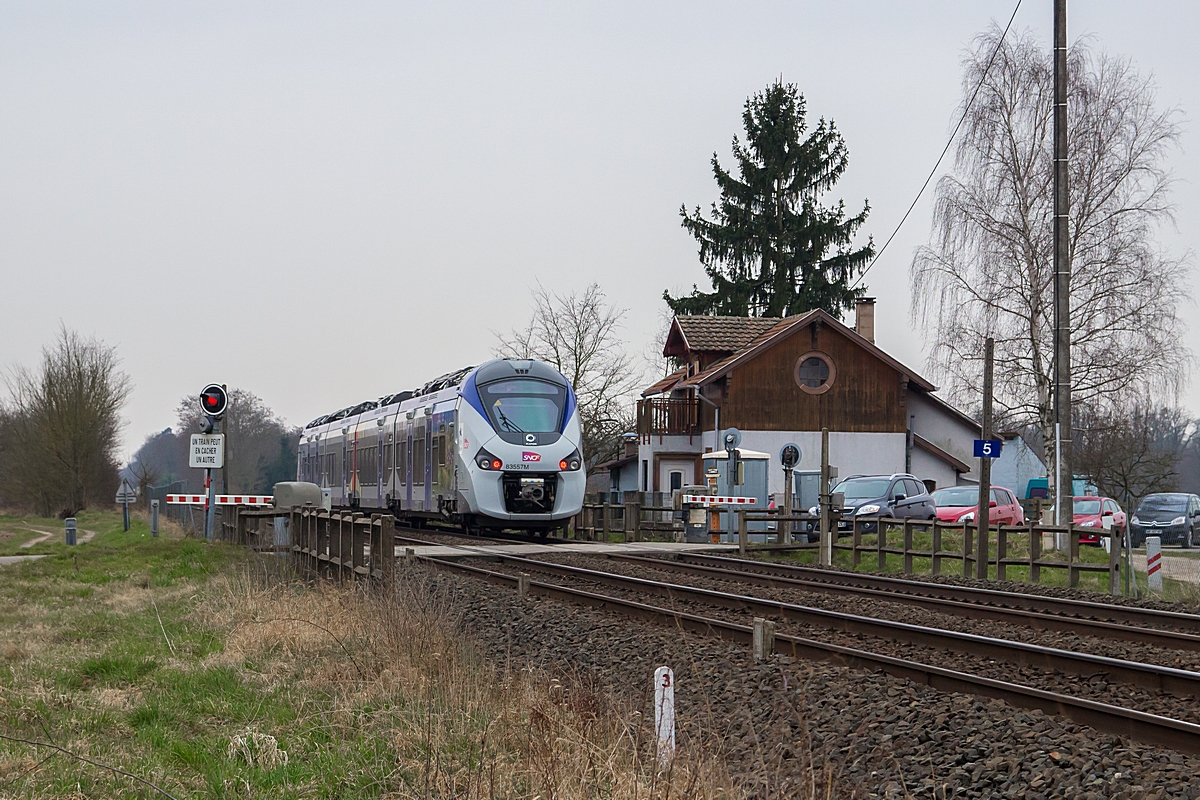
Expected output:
(1090, 512)
(1172, 516)
(959, 504)
(900, 496)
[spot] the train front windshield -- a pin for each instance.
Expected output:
(524, 406)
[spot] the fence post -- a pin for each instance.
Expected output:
(633, 517)
(1001, 551)
(604, 519)
(880, 543)
(908, 559)
(856, 538)
(1035, 554)
(1073, 553)
(935, 566)
(743, 532)
(1114, 563)
(966, 549)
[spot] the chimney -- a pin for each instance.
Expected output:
(630, 441)
(864, 318)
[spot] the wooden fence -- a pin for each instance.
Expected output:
(323, 543)
(633, 519)
(937, 554)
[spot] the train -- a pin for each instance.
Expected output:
(497, 446)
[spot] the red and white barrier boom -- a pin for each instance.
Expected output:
(222, 499)
(715, 500)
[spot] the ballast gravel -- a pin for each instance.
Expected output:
(808, 729)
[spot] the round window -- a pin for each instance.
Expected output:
(814, 372)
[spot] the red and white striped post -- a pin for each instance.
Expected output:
(1154, 563)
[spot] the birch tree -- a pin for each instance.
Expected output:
(988, 268)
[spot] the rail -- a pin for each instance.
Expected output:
(887, 528)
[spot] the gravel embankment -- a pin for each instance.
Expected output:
(868, 735)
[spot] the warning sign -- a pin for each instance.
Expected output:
(207, 451)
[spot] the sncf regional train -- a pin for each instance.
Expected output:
(494, 446)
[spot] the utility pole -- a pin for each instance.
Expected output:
(983, 517)
(826, 551)
(1062, 273)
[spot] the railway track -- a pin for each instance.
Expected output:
(1140, 725)
(1041, 620)
(901, 588)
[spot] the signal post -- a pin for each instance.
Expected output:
(207, 449)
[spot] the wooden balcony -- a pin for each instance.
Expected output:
(667, 416)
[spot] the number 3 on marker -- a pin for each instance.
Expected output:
(666, 684)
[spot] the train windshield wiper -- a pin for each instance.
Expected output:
(506, 422)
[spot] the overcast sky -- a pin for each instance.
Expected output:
(323, 203)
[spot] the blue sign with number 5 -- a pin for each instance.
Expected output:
(988, 448)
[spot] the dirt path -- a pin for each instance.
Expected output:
(37, 539)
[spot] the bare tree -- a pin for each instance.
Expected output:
(577, 334)
(1130, 453)
(62, 424)
(988, 269)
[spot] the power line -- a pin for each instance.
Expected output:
(945, 149)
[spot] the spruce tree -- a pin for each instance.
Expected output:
(771, 249)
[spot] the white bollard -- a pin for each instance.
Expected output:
(664, 714)
(1154, 563)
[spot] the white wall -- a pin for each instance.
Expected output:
(945, 430)
(1016, 465)
(929, 467)
(851, 453)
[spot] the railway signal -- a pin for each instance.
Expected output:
(214, 400)
(208, 448)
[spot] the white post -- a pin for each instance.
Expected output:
(1154, 563)
(1058, 497)
(664, 714)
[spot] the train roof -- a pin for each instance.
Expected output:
(493, 370)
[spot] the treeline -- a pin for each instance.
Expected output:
(60, 428)
(260, 449)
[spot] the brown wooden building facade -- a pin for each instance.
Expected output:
(781, 380)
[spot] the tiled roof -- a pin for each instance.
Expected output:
(723, 334)
(667, 382)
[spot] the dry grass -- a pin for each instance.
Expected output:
(395, 662)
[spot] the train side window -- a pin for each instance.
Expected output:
(441, 450)
(387, 458)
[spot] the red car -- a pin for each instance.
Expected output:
(1090, 513)
(958, 504)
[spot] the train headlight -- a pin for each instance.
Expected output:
(485, 460)
(571, 463)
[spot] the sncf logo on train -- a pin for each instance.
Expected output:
(528, 456)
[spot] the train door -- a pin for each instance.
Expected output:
(406, 447)
(418, 465)
(342, 475)
(429, 465)
(385, 464)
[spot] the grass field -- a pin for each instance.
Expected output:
(210, 672)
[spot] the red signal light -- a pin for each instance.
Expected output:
(214, 400)
(562, 464)
(496, 464)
